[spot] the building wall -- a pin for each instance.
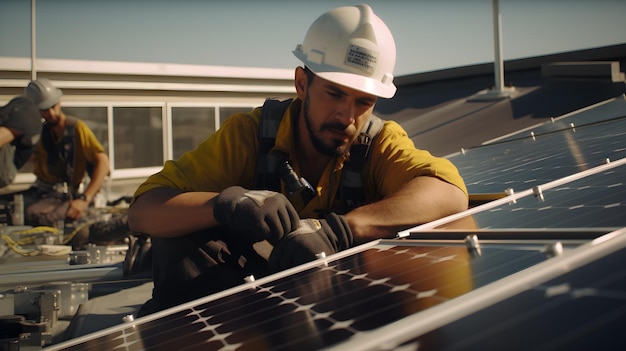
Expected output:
(145, 114)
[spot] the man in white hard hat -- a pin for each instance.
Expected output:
(68, 151)
(203, 216)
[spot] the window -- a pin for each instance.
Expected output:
(138, 140)
(138, 137)
(190, 126)
(226, 112)
(96, 120)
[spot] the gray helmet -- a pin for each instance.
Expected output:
(43, 93)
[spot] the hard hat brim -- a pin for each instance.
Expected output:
(360, 83)
(351, 80)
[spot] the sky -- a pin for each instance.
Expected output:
(429, 34)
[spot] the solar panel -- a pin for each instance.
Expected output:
(539, 269)
(555, 150)
(579, 310)
(575, 301)
(596, 200)
(343, 300)
(606, 111)
(324, 304)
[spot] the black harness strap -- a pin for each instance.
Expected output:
(270, 165)
(271, 115)
(62, 152)
(351, 191)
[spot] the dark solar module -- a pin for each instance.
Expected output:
(571, 236)
(594, 201)
(574, 301)
(524, 163)
(325, 305)
(604, 112)
(584, 309)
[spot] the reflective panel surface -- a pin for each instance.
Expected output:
(328, 304)
(556, 151)
(594, 201)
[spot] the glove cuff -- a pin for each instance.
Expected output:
(341, 229)
(224, 203)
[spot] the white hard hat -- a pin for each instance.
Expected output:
(351, 46)
(43, 93)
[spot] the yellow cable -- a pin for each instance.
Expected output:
(38, 229)
(17, 248)
(78, 228)
(31, 239)
(16, 245)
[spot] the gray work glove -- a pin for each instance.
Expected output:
(256, 215)
(329, 235)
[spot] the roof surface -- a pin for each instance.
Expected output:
(439, 115)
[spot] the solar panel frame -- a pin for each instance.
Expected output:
(195, 326)
(554, 151)
(416, 325)
(611, 109)
(201, 321)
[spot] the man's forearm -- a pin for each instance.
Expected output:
(166, 212)
(101, 170)
(6, 136)
(421, 200)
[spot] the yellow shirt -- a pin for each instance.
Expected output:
(228, 157)
(85, 151)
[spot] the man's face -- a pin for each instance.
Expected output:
(51, 115)
(334, 114)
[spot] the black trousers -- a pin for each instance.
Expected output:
(199, 264)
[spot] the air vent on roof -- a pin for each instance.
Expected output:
(584, 70)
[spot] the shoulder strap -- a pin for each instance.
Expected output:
(271, 115)
(69, 147)
(351, 191)
(64, 150)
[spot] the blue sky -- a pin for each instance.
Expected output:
(429, 34)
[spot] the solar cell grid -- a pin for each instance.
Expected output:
(605, 111)
(523, 163)
(594, 201)
(324, 305)
(573, 301)
(584, 309)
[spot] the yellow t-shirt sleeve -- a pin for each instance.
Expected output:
(90, 145)
(88, 148)
(225, 158)
(395, 161)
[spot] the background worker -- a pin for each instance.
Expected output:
(20, 130)
(204, 218)
(67, 153)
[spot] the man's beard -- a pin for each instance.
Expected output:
(337, 148)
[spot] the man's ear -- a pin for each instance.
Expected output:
(301, 82)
